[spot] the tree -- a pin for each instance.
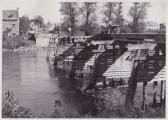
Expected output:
(138, 13)
(39, 21)
(69, 10)
(119, 17)
(24, 25)
(55, 29)
(109, 13)
(88, 13)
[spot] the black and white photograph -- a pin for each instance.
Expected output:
(83, 59)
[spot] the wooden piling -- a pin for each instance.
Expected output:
(132, 85)
(155, 94)
(144, 96)
(161, 93)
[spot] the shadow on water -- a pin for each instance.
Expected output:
(71, 96)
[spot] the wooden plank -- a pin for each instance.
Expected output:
(117, 73)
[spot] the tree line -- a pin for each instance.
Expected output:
(82, 18)
(112, 12)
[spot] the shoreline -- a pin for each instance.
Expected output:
(24, 49)
(31, 48)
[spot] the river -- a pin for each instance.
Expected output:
(36, 83)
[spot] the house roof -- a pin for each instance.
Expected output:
(10, 14)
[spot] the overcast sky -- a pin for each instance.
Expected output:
(49, 9)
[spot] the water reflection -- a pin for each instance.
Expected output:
(36, 83)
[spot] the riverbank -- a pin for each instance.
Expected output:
(33, 47)
(23, 49)
(107, 103)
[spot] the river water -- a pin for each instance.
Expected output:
(36, 83)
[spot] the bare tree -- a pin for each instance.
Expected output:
(88, 13)
(138, 13)
(109, 12)
(69, 10)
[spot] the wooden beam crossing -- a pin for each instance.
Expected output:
(131, 37)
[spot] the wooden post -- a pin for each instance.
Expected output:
(161, 93)
(93, 80)
(105, 61)
(132, 84)
(104, 82)
(144, 96)
(164, 100)
(120, 81)
(155, 94)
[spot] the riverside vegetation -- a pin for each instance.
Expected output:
(14, 42)
(107, 103)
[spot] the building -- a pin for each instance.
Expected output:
(11, 21)
(152, 26)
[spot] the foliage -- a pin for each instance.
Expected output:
(89, 16)
(114, 107)
(69, 10)
(12, 42)
(60, 112)
(24, 24)
(138, 13)
(109, 13)
(38, 20)
(107, 103)
(56, 28)
(119, 17)
(12, 109)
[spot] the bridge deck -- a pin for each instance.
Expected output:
(131, 37)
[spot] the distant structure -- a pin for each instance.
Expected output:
(155, 27)
(10, 22)
(34, 27)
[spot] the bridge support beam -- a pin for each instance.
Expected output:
(132, 85)
(144, 96)
(161, 93)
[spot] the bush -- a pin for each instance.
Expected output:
(60, 112)
(111, 104)
(108, 103)
(12, 109)
(14, 42)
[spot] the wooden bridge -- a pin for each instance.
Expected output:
(117, 59)
(62, 48)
